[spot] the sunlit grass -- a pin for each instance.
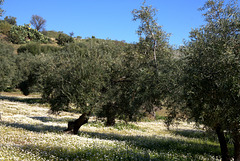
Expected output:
(28, 132)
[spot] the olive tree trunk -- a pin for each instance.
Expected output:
(223, 143)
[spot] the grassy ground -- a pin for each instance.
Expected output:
(28, 132)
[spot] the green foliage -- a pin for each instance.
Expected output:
(7, 66)
(64, 39)
(212, 67)
(113, 79)
(152, 37)
(153, 61)
(24, 34)
(33, 48)
(31, 69)
(5, 27)
(75, 47)
(72, 78)
(210, 78)
(36, 48)
(49, 49)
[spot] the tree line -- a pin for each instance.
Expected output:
(117, 80)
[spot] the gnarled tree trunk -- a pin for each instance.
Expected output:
(74, 126)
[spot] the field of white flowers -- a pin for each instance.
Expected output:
(29, 132)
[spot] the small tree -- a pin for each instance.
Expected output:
(153, 59)
(11, 20)
(5, 27)
(38, 22)
(1, 10)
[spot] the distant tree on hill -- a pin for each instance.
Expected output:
(1, 10)
(38, 22)
(64, 39)
(11, 20)
(5, 27)
(71, 34)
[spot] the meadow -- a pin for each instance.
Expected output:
(29, 132)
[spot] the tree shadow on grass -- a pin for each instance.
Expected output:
(35, 127)
(211, 136)
(162, 144)
(23, 100)
(94, 153)
(51, 119)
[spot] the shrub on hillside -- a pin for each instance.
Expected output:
(5, 27)
(49, 49)
(75, 47)
(33, 48)
(37, 48)
(64, 39)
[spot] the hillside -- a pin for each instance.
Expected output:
(29, 132)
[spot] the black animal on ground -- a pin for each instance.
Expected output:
(74, 126)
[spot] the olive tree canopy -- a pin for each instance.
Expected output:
(211, 74)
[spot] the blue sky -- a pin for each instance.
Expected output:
(110, 19)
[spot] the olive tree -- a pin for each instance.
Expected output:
(119, 88)
(72, 81)
(210, 78)
(154, 59)
(137, 75)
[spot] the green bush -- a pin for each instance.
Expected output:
(64, 39)
(49, 49)
(25, 34)
(75, 47)
(7, 66)
(33, 48)
(31, 69)
(5, 27)
(37, 48)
